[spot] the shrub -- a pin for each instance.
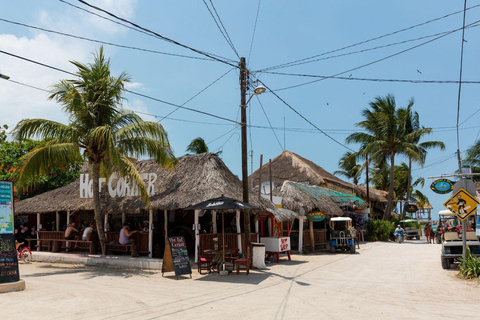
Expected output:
(470, 267)
(379, 230)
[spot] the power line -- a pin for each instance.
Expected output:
(299, 114)
(223, 135)
(104, 42)
(266, 116)
(233, 133)
(254, 29)
(28, 85)
(126, 90)
(197, 94)
(371, 79)
(369, 40)
(157, 35)
(460, 83)
(370, 49)
(376, 61)
(469, 116)
(224, 31)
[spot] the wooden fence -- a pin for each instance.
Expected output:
(206, 240)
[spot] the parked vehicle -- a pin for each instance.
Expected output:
(342, 235)
(411, 229)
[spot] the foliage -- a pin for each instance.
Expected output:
(350, 168)
(198, 146)
(12, 151)
(99, 131)
(470, 267)
(379, 230)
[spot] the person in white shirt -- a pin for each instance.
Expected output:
(87, 232)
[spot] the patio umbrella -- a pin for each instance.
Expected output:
(222, 203)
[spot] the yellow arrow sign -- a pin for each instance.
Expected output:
(462, 203)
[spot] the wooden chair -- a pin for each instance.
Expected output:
(204, 263)
(243, 263)
(234, 256)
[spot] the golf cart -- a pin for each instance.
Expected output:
(410, 227)
(452, 247)
(342, 234)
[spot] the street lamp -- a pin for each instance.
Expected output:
(4, 76)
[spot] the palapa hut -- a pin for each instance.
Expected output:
(196, 178)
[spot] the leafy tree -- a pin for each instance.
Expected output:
(350, 168)
(99, 131)
(383, 139)
(198, 146)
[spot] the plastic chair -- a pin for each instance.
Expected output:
(243, 264)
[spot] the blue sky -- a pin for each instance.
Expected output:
(286, 31)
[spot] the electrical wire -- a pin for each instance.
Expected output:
(224, 32)
(211, 84)
(470, 116)
(156, 35)
(28, 85)
(103, 42)
(304, 118)
(375, 61)
(254, 30)
(369, 40)
(373, 48)
(223, 135)
(126, 90)
(460, 83)
(269, 123)
(233, 133)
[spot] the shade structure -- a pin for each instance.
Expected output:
(222, 203)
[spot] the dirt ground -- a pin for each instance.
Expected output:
(381, 281)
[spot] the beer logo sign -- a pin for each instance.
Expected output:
(442, 186)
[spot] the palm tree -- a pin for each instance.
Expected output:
(350, 168)
(383, 139)
(410, 125)
(99, 131)
(198, 145)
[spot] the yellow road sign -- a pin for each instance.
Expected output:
(462, 203)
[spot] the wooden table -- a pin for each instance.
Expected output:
(217, 260)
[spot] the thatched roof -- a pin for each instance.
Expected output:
(196, 178)
(289, 166)
(296, 199)
(282, 214)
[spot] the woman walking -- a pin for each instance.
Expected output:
(427, 231)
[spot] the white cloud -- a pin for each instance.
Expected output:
(134, 85)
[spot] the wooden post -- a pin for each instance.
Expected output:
(57, 221)
(197, 237)
(68, 218)
(150, 232)
(300, 235)
(105, 223)
(165, 224)
(38, 229)
(239, 232)
(270, 230)
(271, 183)
(260, 178)
(124, 218)
(214, 221)
(312, 236)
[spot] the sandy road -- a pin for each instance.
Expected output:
(381, 281)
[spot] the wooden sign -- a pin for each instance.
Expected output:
(175, 257)
(8, 259)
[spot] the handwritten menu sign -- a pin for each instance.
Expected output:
(8, 259)
(176, 258)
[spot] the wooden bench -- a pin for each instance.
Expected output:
(117, 247)
(78, 245)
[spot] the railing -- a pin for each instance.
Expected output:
(320, 237)
(141, 240)
(231, 240)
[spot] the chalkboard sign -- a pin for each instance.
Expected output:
(176, 257)
(8, 259)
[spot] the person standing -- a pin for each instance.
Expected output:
(427, 230)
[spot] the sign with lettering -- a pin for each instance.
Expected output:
(6, 207)
(8, 259)
(176, 258)
(442, 186)
(411, 208)
(274, 244)
(117, 186)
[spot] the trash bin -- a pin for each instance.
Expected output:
(258, 255)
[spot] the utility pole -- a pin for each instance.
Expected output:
(464, 221)
(243, 107)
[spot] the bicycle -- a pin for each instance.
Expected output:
(24, 253)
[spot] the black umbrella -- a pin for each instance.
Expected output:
(222, 203)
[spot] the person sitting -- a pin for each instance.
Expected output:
(71, 233)
(124, 238)
(87, 233)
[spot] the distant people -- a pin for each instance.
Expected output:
(87, 233)
(427, 231)
(72, 232)
(124, 238)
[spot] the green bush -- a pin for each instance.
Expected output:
(379, 230)
(470, 268)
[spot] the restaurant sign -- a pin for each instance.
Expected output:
(117, 186)
(6, 207)
(442, 186)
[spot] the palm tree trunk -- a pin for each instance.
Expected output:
(97, 208)
(409, 187)
(388, 210)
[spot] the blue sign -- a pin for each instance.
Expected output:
(442, 186)
(6, 207)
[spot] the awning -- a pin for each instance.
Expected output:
(341, 199)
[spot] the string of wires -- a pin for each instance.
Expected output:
(254, 30)
(269, 123)
(222, 29)
(103, 42)
(460, 85)
(376, 61)
(284, 65)
(137, 27)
